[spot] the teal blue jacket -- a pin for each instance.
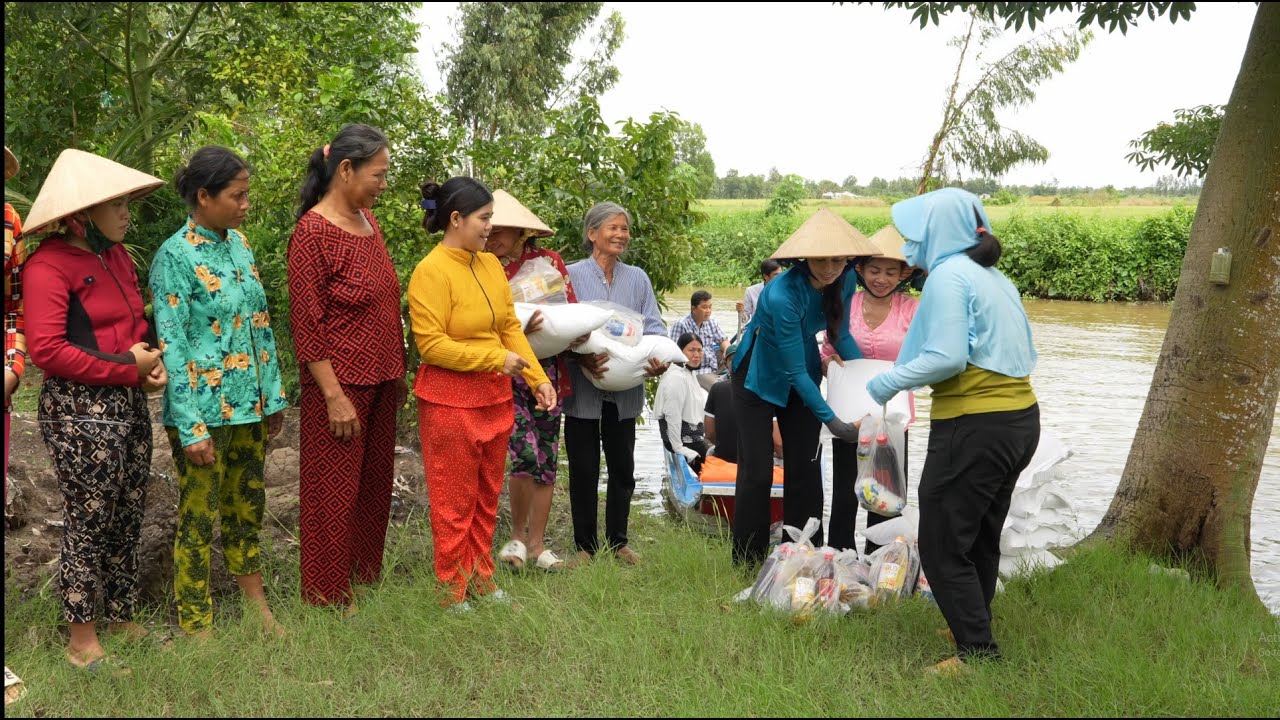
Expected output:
(782, 340)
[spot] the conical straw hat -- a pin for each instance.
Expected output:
(80, 180)
(10, 163)
(825, 234)
(889, 242)
(508, 212)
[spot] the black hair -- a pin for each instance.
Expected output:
(698, 298)
(906, 280)
(687, 338)
(357, 143)
(211, 168)
(769, 267)
(988, 250)
(461, 194)
(834, 307)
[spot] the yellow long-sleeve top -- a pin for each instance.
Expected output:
(464, 321)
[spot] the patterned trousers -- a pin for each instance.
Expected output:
(344, 490)
(232, 490)
(100, 438)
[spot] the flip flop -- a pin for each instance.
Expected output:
(13, 687)
(549, 562)
(105, 665)
(513, 555)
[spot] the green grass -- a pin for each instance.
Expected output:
(1098, 637)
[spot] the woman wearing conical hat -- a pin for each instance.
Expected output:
(776, 373)
(86, 331)
(534, 448)
(879, 316)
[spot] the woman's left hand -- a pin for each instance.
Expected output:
(156, 379)
(275, 423)
(534, 324)
(656, 367)
(401, 390)
(546, 395)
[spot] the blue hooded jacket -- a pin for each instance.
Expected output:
(968, 314)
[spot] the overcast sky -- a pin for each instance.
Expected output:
(827, 91)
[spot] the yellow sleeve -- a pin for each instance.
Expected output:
(430, 304)
(513, 332)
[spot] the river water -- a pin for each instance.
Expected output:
(1095, 367)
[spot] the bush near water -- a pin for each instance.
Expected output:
(1084, 254)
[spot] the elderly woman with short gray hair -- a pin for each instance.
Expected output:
(593, 417)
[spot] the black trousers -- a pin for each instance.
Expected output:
(802, 474)
(582, 442)
(973, 463)
(844, 501)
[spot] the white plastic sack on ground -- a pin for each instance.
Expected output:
(1011, 565)
(847, 392)
(561, 325)
(906, 525)
(1040, 514)
(626, 366)
(1049, 453)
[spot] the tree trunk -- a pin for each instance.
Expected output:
(1187, 489)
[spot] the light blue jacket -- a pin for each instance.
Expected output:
(968, 314)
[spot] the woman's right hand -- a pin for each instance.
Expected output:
(145, 358)
(200, 453)
(826, 362)
(343, 420)
(847, 432)
(594, 365)
(514, 364)
(534, 324)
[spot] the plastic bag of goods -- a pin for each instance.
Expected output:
(881, 487)
(894, 569)
(538, 281)
(852, 575)
(775, 583)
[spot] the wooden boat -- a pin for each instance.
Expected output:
(708, 505)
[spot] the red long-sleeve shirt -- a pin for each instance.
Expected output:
(83, 312)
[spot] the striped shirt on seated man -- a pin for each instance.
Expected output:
(700, 323)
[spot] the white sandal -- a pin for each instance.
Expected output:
(549, 562)
(513, 555)
(13, 687)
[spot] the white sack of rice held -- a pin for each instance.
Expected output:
(561, 325)
(626, 366)
(847, 390)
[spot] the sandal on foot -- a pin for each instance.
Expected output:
(513, 555)
(13, 687)
(549, 562)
